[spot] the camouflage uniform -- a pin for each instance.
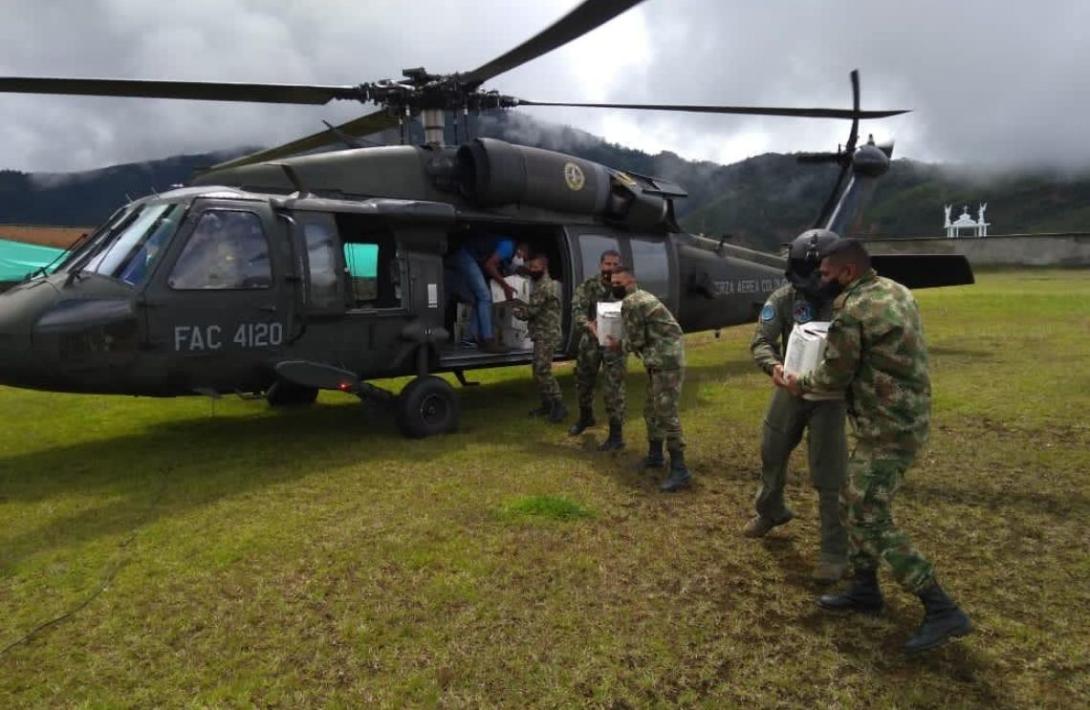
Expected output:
(542, 315)
(590, 356)
(655, 337)
(788, 416)
(875, 350)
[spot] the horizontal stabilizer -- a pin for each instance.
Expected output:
(924, 270)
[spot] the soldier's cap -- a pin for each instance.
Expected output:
(848, 246)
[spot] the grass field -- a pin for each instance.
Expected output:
(315, 558)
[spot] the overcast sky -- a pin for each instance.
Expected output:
(990, 83)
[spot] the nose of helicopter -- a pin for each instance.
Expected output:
(20, 307)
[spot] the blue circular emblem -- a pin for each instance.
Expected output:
(803, 312)
(767, 313)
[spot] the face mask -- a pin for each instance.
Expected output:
(830, 289)
(535, 275)
(606, 276)
(619, 291)
(517, 261)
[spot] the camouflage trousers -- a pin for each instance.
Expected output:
(543, 368)
(827, 451)
(874, 475)
(590, 357)
(660, 409)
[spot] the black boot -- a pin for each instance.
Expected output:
(586, 419)
(654, 459)
(615, 442)
(862, 595)
(942, 621)
(679, 475)
(558, 412)
(543, 410)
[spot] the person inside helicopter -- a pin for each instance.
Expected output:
(481, 257)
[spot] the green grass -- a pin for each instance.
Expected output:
(316, 558)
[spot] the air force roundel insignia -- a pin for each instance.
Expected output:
(803, 312)
(767, 313)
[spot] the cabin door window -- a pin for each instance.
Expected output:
(651, 265)
(591, 247)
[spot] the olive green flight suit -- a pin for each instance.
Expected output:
(789, 416)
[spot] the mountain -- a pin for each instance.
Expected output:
(762, 202)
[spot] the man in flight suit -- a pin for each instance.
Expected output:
(591, 356)
(788, 416)
(875, 350)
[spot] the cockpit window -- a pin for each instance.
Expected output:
(227, 250)
(129, 252)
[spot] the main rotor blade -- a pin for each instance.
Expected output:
(362, 126)
(746, 110)
(588, 16)
(196, 90)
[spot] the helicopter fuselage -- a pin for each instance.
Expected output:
(209, 289)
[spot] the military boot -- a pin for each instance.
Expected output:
(759, 525)
(544, 409)
(586, 419)
(654, 459)
(614, 442)
(862, 595)
(679, 475)
(942, 621)
(557, 411)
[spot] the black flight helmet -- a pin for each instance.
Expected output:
(804, 257)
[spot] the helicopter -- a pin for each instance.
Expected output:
(286, 271)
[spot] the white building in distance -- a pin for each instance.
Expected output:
(966, 225)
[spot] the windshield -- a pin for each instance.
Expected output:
(128, 252)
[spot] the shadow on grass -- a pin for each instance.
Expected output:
(202, 460)
(1062, 504)
(795, 566)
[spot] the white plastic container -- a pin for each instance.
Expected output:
(609, 321)
(805, 351)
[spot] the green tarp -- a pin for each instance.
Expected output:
(18, 259)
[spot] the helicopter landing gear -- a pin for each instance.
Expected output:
(289, 394)
(427, 406)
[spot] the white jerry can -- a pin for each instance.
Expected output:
(609, 321)
(805, 351)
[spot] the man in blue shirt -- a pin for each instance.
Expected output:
(480, 257)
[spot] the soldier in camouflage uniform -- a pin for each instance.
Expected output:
(788, 416)
(542, 315)
(651, 332)
(591, 356)
(875, 350)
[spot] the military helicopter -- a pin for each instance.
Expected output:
(281, 274)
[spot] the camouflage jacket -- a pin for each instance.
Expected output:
(584, 303)
(875, 349)
(651, 332)
(542, 313)
(784, 309)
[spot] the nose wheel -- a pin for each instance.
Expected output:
(426, 407)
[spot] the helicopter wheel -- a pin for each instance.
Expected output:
(427, 406)
(287, 394)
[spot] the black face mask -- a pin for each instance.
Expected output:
(536, 275)
(606, 276)
(619, 291)
(829, 290)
